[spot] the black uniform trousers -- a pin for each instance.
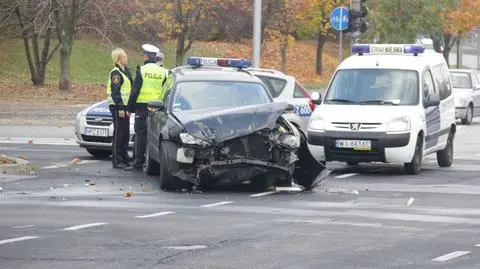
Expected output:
(140, 146)
(121, 137)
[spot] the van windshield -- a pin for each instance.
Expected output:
(374, 86)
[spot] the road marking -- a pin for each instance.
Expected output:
(55, 166)
(216, 204)
(12, 240)
(61, 165)
(22, 227)
(154, 215)
(450, 256)
(40, 150)
(39, 141)
(346, 175)
(262, 194)
(78, 227)
(187, 247)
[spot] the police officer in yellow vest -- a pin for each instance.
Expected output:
(119, 86)
(147, 87)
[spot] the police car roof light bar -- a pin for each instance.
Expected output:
(414, 49)
(222, 62)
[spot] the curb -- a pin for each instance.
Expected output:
(21, 165)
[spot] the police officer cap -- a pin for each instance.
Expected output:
(150, 49)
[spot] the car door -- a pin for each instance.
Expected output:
(155, 121)
(476, 93)
(432, 113)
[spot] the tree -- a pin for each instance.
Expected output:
(176, 19)
(315, 18)
(34, 22)
(67, 14)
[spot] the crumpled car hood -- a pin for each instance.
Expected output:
(219, 125)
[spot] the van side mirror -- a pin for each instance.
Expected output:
(476, 87)
(433, 99)
(156, 106)
(316, 98)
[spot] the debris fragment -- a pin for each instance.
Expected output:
(410, 201)
(30, 141)
(74, 161)
(145, 189)
(1, 189)
(128, 194)
(342, 191)
(51, 188)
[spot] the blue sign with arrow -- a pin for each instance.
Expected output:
(339, 18)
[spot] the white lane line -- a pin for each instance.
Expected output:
(217, 204)
(22, 227)
(39, 141)
(55, 166)
(451, 255)
(154, 215)
(187, 247)
(78, 227)
(346, 175)
(12, 240)
(477, 245)
(262, 194)
(61, 165)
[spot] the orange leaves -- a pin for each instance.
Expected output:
(463, 17)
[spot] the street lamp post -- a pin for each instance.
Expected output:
(257, 21)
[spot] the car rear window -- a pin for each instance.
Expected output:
(274, 85)
(300, 92)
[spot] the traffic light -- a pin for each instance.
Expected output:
(356, 20)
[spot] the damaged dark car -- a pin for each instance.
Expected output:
(220, 125)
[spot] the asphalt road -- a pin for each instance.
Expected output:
(80, 216)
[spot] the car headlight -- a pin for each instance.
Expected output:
(400, 124)
(317, 124)
(81, 114)
(188, 139)
(291, 141)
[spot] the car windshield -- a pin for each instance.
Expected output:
(194, 95)
(374, 86)
(461, 80)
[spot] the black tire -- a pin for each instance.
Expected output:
(415, 166)
(352, 163)
(168, 168)
(307, 167)
(445, 157)
(99, 153)
(468, 115)
(152, 167)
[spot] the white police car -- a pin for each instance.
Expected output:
(94, 129)
(389, 103)
(285, 88)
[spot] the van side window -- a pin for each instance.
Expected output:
(428, 85)
(441, 81)
(448, 83)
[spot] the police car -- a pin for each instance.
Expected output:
(94, 129)
(390, 103)
(220, 124)
(285, 88)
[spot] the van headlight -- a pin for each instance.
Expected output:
(317, 124)
(400, 124)
(188, 139)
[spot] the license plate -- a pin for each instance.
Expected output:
(354, 144)
(96, 132)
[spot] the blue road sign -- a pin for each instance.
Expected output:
(339, 18)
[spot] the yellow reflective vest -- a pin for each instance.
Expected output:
(154, 77)
(124, 90)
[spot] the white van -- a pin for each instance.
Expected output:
(390, 103)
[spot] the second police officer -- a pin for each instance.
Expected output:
(147, 87)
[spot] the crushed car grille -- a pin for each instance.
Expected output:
(251, 146)
(99, 121)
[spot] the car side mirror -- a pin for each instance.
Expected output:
(316, 98)
(156, 106)
(433, 99)
(477, 87)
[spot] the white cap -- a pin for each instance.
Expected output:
(150, 49)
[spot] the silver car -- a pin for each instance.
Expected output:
(466, 88)
(94, 129)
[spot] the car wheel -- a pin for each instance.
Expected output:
(99, 153)
(152, 167)
(169, 167)
(307, 167)
(468, 116)
(415, 165)
(445, 156)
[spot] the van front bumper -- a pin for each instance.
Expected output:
(391, 148)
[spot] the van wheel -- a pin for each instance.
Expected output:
(468, 116)
(445, 157)
(415, 165)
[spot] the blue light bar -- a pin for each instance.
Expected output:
(223, 62)
(414, 49)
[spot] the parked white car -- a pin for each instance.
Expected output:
(466, 88)
(94, 129)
